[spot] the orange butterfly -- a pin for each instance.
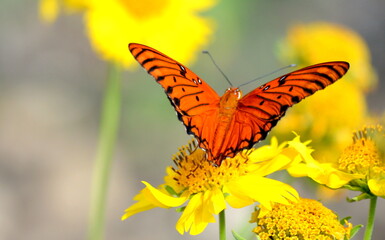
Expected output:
(225, 125)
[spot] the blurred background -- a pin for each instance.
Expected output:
(51, 89)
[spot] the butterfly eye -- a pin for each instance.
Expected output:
(238, 93)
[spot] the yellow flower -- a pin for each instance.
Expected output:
(331, 115)
(317, 42)
(329, 127)
(205, 189)
(50, 9)
(306, 219)
(361, 166)
(171, 26)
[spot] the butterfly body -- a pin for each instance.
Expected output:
(223, 122)
(225, 125)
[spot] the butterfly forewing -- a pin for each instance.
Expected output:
(188, 93)
(264, 106)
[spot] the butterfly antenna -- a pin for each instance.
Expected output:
(279, 69)
(212, 59)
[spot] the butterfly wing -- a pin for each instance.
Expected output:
(195, 102)
(260, 110)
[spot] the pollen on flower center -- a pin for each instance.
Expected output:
(307, 219)
(196, 174)
(363, 154)
(144, 8)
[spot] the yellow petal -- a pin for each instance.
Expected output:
(161, 199)
(266, 152)
(323, 173)
(298, 170)
(377, 187)
(301, 147)
(216, 200)
(136, 208)
(274, 164)
(238, 202)
(199, 212)
(260, 189)
(273, 158)
(187, 222)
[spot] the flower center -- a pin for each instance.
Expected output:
(196, 174)
(307, 219)
(363, 155)
(144, 8)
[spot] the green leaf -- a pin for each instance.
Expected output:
(171, 191)
(344, 220)
(237, 236)
(181, 209)
(355, 230)
(360, 197)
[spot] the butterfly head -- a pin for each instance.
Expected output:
(233, 92)
(229, 100)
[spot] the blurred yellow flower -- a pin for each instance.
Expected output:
(327, 118)
(331, 115)
(361, 166)
(205, 189)
(172, 26)
(50, 9)
(306, 219)
(317, 42)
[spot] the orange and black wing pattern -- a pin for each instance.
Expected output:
(193, 99)
(261, 109)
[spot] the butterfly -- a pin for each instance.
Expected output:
(225, 125)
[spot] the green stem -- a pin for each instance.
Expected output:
(107, 137)
(371, 217)
(222, 225)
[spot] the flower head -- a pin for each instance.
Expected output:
(366, 156)
(333, 42)
(361, 166)
(306, 219)
(205, 189)
(314, 118)
(172, 26)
